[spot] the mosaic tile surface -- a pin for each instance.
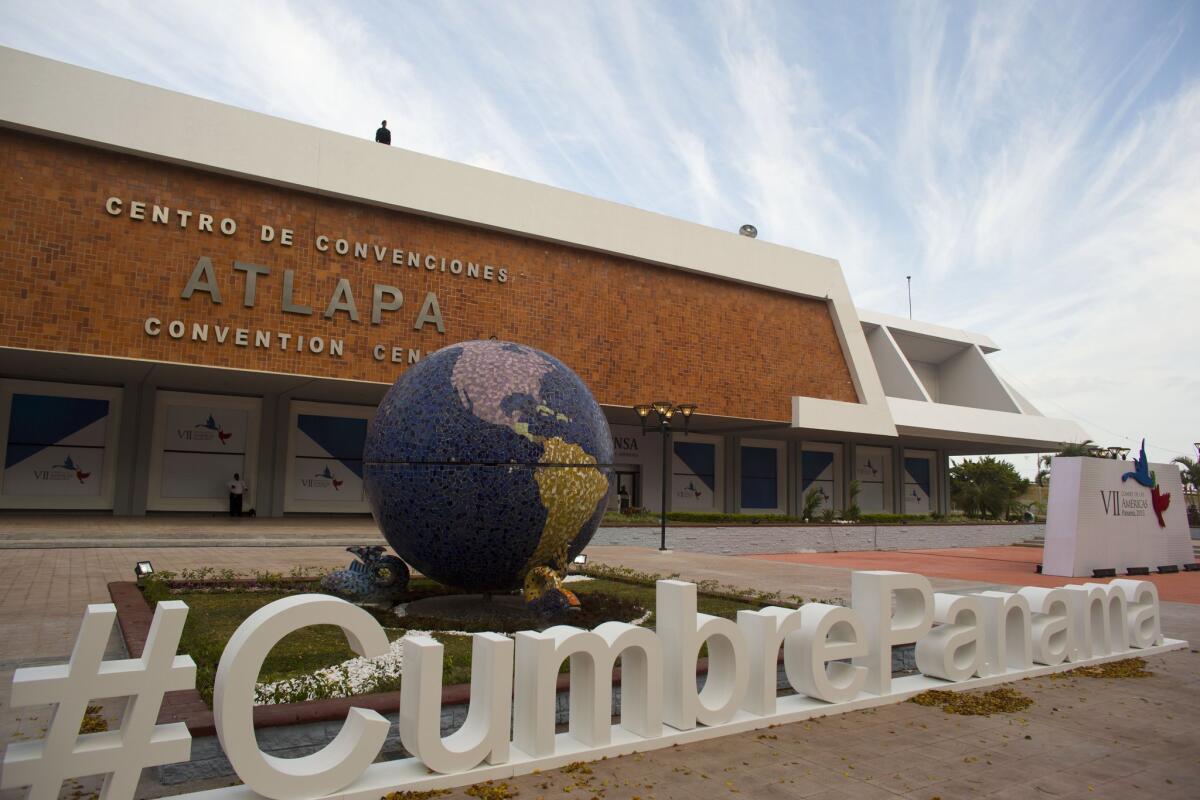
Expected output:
(485, 461)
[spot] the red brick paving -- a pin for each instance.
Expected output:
(1011, 565)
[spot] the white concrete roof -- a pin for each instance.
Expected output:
(74, 104)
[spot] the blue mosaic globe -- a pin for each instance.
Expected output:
(486, 461)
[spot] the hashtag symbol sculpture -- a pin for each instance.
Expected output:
(121, 754)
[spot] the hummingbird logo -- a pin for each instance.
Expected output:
(211, 424)
(68, 463)
(328, 475)
(1160, 501)
(1141, 472)
(691, 487)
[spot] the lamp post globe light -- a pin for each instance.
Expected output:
(664, 412)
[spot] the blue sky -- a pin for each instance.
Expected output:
(1034, 166)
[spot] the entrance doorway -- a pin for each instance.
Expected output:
(629, 489)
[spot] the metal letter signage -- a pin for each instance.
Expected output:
(962, 642)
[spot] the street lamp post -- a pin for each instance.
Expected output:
(664, 412)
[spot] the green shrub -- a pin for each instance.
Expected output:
(812, 502)
(987, 488)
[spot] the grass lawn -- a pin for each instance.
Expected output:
(215, 614)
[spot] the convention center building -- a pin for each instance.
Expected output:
(192, 290)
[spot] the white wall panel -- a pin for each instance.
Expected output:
(199, 442)
(60, 444)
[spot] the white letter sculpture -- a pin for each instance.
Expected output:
(1007, 626)
(593, 655)
(1053, 639)
(357, 743)
(995, 635)
(484, 734)
(872, 599)
(118, 755)
(951, 650)
(682, 632)
(826, 634)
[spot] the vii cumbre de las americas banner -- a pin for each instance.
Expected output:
(55, 446)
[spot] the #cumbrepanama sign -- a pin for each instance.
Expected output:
(836, 659)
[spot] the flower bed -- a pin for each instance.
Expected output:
(316, 663)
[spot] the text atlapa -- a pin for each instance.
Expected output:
(383, 297)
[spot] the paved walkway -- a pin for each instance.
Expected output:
(1011, 565)
(1083, 738)
(812, 581)
(37, 531)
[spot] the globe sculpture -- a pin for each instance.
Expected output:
(488, 468)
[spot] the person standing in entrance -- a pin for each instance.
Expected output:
(237, 490)
(383, 135)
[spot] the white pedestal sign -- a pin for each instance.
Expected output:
(1097, 520)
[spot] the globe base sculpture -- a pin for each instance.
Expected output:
(488, 467)
(373, 579)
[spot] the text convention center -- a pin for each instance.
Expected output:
(192, 290)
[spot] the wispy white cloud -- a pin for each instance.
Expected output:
(1035, 167)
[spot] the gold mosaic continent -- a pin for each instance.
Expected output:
(570, 496)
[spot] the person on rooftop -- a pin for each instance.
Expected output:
(383, 135)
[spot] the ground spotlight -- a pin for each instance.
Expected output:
(143, 569)
(1038, 569)
(581, 559)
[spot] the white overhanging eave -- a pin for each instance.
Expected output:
(986, 426)
(870, 419)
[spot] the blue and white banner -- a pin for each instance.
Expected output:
(203, 447)
(56, 446)
(695, 476)
(327, 457)
(918, 484)
(872, 471)
(205, 429)
(817, 474)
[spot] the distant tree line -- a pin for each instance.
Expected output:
(987, 488)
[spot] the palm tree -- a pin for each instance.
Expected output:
(1190, 475)
(1069, 449)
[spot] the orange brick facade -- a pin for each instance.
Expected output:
(78, 279)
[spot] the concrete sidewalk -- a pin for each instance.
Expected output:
(27, 530)
(1083, 738)
(1006, 565)
(812, 582)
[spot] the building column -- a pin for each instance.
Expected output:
(732, 494)
(268, 480)
(280, 426)
(898, 479)
(124, 481)
(944, 481)
(791, 465)
(140, 485)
